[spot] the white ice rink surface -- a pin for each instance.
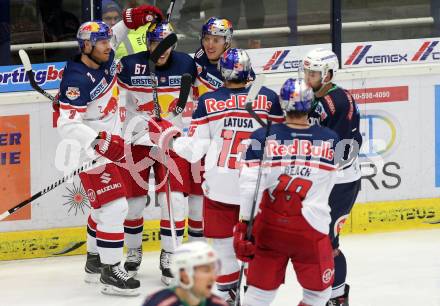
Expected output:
(390, 269)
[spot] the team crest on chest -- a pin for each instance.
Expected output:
(72, 93)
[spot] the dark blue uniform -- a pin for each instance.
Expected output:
(168, 297)
(338, 111)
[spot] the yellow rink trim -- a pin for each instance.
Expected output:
(365, 218)
(377, 217)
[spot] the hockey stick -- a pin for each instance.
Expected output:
(166, 43)
(170, 10)
(28, 67)
(46, 190)
(30, 74)
(252, 95)
(185, 87)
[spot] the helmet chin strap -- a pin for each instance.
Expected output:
(321, 90)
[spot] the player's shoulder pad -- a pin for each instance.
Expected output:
(162, 296)
(327, 134)
(136, 58)
(335, 100)
(268, 92)
(182, 56)
(184, 61)
(75, 88)
(216, 301)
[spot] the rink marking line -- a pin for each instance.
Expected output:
(373, 217)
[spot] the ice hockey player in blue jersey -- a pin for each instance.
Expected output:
(216, 38)
(219, 126)
(90, 115)
(292, 224)
(195, 265)
(136, 89)
(335, 108)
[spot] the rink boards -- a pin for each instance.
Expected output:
(400, 162)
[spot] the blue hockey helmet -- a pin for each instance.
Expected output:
(235, 65)
(158, 32)
(218, 27)
(93, 31)
(296, 95)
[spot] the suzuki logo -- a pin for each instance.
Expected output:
(105, 178)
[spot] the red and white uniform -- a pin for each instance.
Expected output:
(136, 88)
(89, 104)
(293, 214)
(219, 125)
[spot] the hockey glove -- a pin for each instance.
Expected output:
(141, 15)
(162, 133)
(244, 249)
(110, 146)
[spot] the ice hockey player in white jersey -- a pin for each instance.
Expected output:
(91, 118)
(335, 108)
(195, 265)
(292, 224)
(219, 125)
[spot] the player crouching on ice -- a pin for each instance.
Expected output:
(195, 266)
(91, 116)
(293, 220)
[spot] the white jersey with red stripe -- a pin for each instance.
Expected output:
(136, 84)
(300, 161)
(219, 126)
(89, 99)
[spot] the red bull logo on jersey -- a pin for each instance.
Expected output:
(300, 148)
(112, 104)
(147, 107)
(236, 102)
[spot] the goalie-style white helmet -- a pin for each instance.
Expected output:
(321, 60)
(190, 255)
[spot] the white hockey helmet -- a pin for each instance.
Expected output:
(190, 255)
(321, 60)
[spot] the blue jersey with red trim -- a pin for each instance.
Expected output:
(208, 77)
(136, 84)
(338, 111)
(297, 160)
(134, 78)
(168, 297)
(218, 128)
(89, 101)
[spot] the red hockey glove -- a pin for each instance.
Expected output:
(244, 249)
(110, 146)
(162, 132)
(141, 15)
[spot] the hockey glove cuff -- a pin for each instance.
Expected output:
(162, 132)
(244, 249)
(110, 146)
(141, 15)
